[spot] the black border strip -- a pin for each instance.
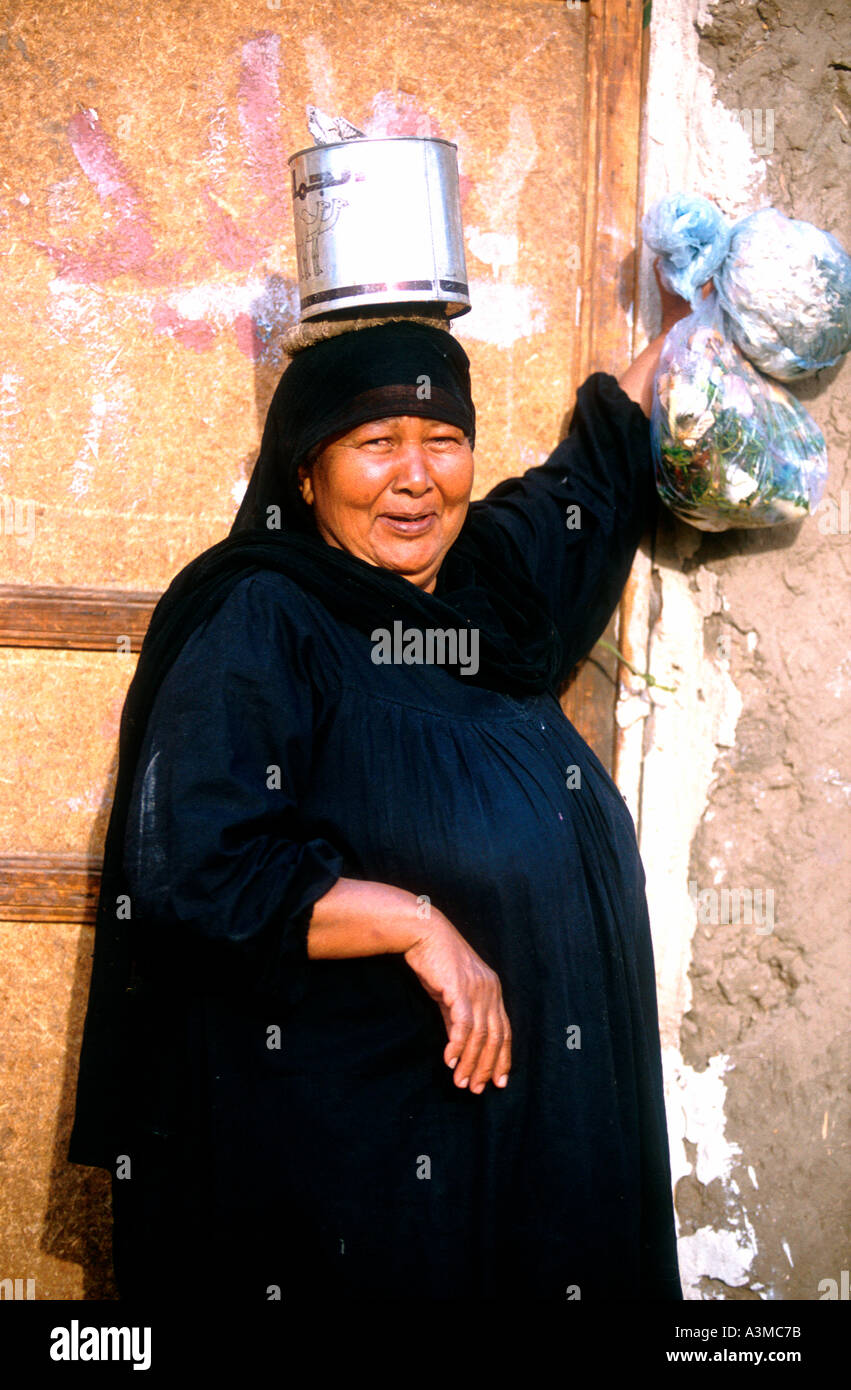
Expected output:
(404, 286)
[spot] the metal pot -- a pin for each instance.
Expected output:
(379, 222)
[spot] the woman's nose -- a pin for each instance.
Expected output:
(412, 470)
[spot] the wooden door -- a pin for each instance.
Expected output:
(150, 271)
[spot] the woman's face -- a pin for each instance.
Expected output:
(393, 492)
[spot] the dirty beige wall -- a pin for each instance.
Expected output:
(145, 229)
(745, 784)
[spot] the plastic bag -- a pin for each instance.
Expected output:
(692, 237)
(731, 448)
(786, 286)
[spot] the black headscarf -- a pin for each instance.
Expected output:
(374, 373)
(335, 385)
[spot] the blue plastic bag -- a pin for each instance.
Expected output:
(691, 236)
(784, 284)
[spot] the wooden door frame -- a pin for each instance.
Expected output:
(63, 888)
(617, 55)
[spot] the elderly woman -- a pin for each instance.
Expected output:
(373, 1006)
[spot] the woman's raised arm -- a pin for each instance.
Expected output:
(637, 380)
(574, 522)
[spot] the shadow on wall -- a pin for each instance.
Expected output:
(77, 1225)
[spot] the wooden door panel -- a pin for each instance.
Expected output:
(152, 271)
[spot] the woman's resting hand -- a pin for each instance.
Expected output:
(356, 918)
(470, 998)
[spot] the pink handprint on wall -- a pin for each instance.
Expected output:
(238, 243)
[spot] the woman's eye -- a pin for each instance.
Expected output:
(386, 441)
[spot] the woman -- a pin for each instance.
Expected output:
(373, 1007)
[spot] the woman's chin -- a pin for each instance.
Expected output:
(408, 568)
(415, 560)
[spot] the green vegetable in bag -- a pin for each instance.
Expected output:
(731, 448)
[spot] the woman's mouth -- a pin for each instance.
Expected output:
(409, 524)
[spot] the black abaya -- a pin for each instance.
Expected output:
(292, 1122)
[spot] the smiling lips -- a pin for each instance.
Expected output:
(409, 523)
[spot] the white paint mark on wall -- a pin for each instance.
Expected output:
(501, 195)
(215, 155)
(694, 141)
(63, 201)
(632, 708)
(221, 303)
(320, 71)
(699, 1097)
(10, 407)
(88, 803)
(494, 248)
(83, 467)
(709, 1254)
(689, 725)
(831, 777)
(502, 313)
(76, 311)
(696, 1115)
(837, 685)
(75, 314)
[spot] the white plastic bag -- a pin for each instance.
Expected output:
(785, 284)
(786, 287)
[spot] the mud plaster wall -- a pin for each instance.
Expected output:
(741, 780)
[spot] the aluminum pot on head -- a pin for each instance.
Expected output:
(378, 221)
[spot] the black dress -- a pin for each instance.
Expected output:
(296, 1126)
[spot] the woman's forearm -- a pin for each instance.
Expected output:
(369, 919)
(637, 380)
(364, 919)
